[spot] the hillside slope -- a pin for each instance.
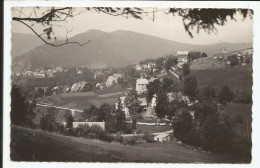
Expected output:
(36, 145)
(117, 49)
(206, 63)
(239, 77)
(22, 43)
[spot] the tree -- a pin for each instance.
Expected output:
(92, 110)
(209, 93)
(171, 61)
(103, 112)
(193, 55)
(233, 60)
(159, 62)
(120, 124)
(48, 92)
(48, 18)
(182, 125)
(152, 89)
(204, 55)
(69, 119)
(190, 86)
(186, 69)
(217, 133)
(162, 101)
(48, 121)
(225, 95)
(202, 111)
(21, 111)
(41, 92)
(132, 103)
(180, 77)
(167, 84)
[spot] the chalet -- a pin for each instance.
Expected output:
(118, 75)
(66, 88)
(141, 85)
(56, 90)
(183, 56)
(111, 80)
(82, 86)
(101, 85)
(162, 137)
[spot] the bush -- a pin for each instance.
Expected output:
(241, 148)
(130, 141)
(118, 139)
(148, 137)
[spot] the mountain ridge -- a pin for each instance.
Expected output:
(115, 49)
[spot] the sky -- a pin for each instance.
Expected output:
(164, 26)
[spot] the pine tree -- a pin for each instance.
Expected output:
(162, 102)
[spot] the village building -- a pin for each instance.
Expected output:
(178, 96)
(80, 72)
(111, 80)
(141, 85)
(143, 103)
(151, 65)
(162, 137)
(82, 86)
(183, 56)
(118, 75)
(138, 67)
(57, 90)
(59, 68)
(40, 70)
(180, 65)
(101, 85)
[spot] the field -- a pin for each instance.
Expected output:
(243, 129)
(239, 77)
(141, 129)
(36, 145)
(206, 63)
(85, 99)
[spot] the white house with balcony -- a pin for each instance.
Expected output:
(141, 85)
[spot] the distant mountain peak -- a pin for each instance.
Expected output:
(115, 49)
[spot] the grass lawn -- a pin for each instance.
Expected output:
(36, 145)
(141, 129)
(233, 110)
(113, 89)
(85, 99)
(239, 77)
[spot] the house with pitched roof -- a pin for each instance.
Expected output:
(141, 85)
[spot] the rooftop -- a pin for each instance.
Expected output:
(142, 81)
(163, 135)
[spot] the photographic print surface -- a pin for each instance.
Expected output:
(152, 85)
